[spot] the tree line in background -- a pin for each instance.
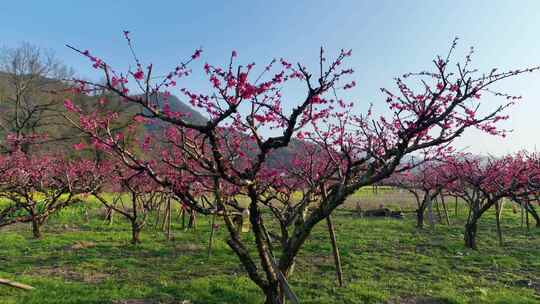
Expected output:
(125, 141)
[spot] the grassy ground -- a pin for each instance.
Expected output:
(385, 261)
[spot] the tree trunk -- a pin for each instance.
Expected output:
(470, 234)
(273, 295)
(335, 251)
(192, 223)
(110, 216)
(135, 233)
(183, 217)
(420, 218)
(36, 229)
(534, 214)
(521, 208)
(279, 291)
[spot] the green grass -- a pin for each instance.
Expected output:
(385, 261)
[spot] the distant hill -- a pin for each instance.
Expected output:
(176, 105)
(62, 135)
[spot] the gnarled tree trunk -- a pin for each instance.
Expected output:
(273, 294)
(135, 232)
(470, 234)
(420, 218)
(534, 214)
(36, 228)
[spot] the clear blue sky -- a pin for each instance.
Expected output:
(388, 38)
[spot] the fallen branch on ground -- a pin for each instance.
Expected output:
(15, 284)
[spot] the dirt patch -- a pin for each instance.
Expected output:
(58, 229)
(17, 227)
(188, 247)
(82, 245)
(68, 274)
(317, 260)
(317, 263)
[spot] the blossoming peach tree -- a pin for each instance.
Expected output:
(482, 183)
(217, 166)
(425, 181)
(36, 186)
(143, 194)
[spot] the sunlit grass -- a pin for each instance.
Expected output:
(384, 260)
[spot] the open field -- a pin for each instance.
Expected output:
(283, 152)
(83, 260)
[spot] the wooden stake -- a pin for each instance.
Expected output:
(498, 211)
(157, 216)
(445, 210)
(169, 214)
(522, 214)
(335, 251)
(503, 201)
(165, 213)
(527, 213)
(438, 209)
(430, 215)
(211, 234)
(456, 207)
